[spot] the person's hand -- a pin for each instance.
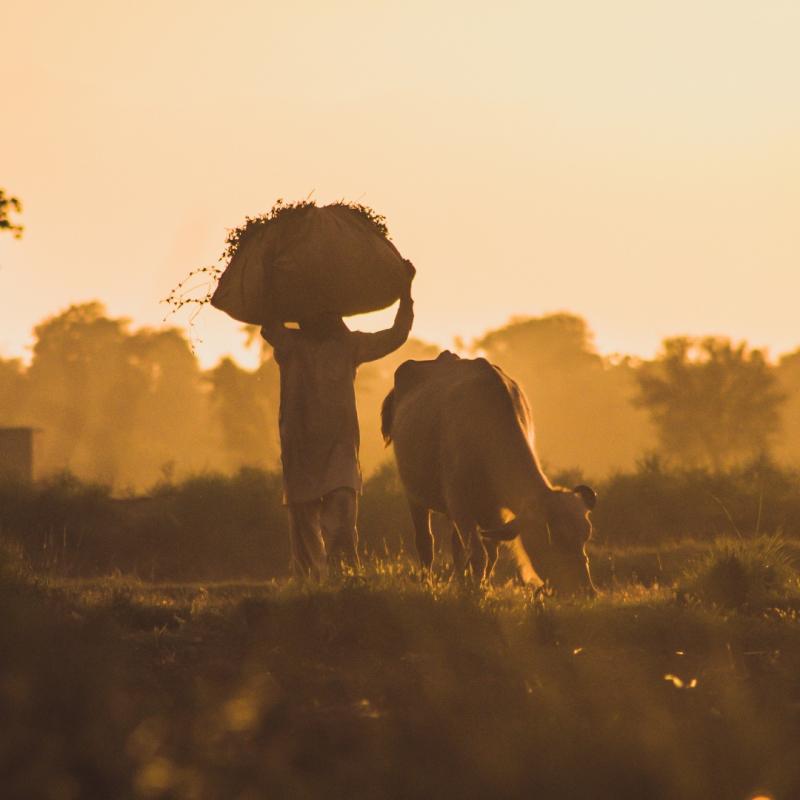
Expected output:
(411, 271)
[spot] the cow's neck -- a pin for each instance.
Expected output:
(530, 484)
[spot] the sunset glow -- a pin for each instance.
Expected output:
(529, 158)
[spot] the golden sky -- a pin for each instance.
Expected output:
(636, 162)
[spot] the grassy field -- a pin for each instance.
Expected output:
(387, 685)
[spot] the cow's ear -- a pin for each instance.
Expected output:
(586, 494)
(505, 533)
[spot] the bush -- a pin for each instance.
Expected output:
(384, 522)
(208, 527)
(746, 574)
(51, 518)
(657, 504)
(216, 527)
(15, 571)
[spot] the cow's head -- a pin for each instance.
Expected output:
(562, 559)
(554, 534)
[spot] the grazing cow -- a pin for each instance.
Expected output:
(463, 442)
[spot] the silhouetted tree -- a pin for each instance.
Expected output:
(711, 402)
(9, 204)
(115, 405)
(13, 389)
(788, 375)
(581, 402)
(245, 406)
(173, 422)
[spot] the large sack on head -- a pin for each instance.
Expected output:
(311, 260)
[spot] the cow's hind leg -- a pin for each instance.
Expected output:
(459, 551)
(423, 536)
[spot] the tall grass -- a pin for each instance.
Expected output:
(385, 684)
(215, 526)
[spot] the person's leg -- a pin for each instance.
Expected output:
(305, 537)
(339, 513)
(423, 536)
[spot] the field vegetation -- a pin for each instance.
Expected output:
(178, 677)
(385, 684)
(152, 644)
(228, 527)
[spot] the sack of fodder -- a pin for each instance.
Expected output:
(303, 259)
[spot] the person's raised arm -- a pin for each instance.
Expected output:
(371, 346)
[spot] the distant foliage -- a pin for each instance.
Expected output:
(115, 404)
(127, 405)
(712, 402)
(581, 402)
(787, 446)
(8, 205)
(244, 405)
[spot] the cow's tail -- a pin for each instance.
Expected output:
(387, 417)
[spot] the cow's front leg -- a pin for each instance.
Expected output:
(476, 559)
(492, 548)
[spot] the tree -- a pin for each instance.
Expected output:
(245, 408)
(788, 373)
(13, 389)
(581, 402)
(172, 419)
(711, 402)
(114, 405)
(8, 204)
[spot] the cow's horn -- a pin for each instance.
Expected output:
(587, 494)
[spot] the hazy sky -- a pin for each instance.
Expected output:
(635, 162)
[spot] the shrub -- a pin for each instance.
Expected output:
(207, 527)
(750, 573)
(656, 503)
(214, 526)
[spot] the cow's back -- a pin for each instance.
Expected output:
(457, 425)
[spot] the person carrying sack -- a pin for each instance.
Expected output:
(319, 431)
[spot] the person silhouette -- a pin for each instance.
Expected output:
(319, 431)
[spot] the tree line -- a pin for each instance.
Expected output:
(133, 407)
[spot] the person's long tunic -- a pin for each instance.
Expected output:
(318, 421)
